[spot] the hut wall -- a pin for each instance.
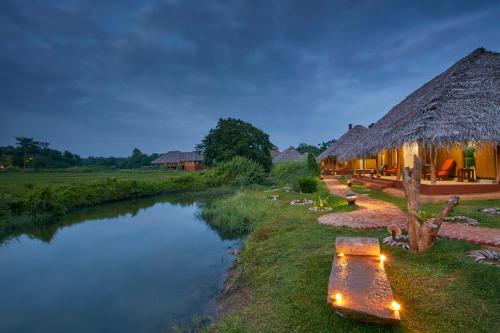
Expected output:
(328, 164)
(370, 163)
(485, 162)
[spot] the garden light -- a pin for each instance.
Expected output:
(351, 198)
(395, 306)
(382, 258)
(338, 297)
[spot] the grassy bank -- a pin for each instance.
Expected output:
(468, 208)
(22, 181)
(280, 279)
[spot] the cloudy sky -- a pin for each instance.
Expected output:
(102, 77)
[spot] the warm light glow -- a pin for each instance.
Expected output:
(395, 306)
(338, 297)
(341, 254)
(382, 258)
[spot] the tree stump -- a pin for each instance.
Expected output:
(422, 233)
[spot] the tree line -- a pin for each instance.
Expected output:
(28, 153)
(231, 137)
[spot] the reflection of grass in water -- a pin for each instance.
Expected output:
(44, 227)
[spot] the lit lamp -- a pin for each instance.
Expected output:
(351, 198)
(395, 306)
(349, 183)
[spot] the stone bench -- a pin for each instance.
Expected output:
(359, 277)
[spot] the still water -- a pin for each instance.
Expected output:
(142, 266)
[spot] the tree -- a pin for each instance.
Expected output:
(29, 147)
(235, 137)
(422, 230)
(324, 145)
(310, 149)
(312, 165)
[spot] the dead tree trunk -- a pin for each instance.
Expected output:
(422, 233)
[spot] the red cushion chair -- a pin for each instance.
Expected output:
(446, 169)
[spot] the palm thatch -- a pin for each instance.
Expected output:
(344, 148)
(176, 156)
(289, 154)
(459, 106)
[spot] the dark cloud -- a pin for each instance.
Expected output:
(101, 77)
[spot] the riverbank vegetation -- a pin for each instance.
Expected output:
(279, 281)
(26, 203)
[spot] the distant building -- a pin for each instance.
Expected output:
(289, 154)
(189, 161)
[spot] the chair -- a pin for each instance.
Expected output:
(391, 171)
(447, 169)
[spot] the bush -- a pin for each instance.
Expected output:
(237, 213)
(237, 171)
(289, 172)
(308, 184)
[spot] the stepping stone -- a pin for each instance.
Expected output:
(358, 275)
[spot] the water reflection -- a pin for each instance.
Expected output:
(46, 227)
(135, 266)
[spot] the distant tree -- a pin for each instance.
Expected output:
(28, 147)
(5, 161)
(235, 137)
(324, 145)
(312, 165)
(306, 148)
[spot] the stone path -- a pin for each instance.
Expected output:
(374, 213)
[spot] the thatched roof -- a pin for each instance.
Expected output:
(175, 156)
(342, 149)
(289, 154)
(460, 105)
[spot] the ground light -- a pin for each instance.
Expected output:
(338, 297)
(395, 306)
(382, 258)
(351, 198)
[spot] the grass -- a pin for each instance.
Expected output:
(19, 182)
(468, 208)
(286, 260)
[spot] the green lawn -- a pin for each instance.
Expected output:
(282, 274)
(465, 208)
(18, 182)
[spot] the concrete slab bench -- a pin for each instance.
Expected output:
(358, 287)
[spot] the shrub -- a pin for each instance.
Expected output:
(312, 165)
(289, 172)
(237, 213)
(237, 171)
(308, 184)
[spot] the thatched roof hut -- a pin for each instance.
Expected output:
(458, 106)
(176, 156)
(289, 154)
(343, 149)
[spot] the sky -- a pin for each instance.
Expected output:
(100, 77)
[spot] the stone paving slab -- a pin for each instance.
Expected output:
(373, 213)
(365, 291)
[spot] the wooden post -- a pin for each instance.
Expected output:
(422, 234)
(497, 158)
(433, 155)
(398, 165)
(376, 166)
